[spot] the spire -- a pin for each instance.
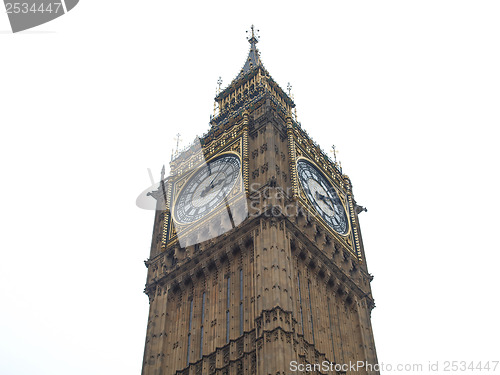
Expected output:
(254, 39)
(252, 83)
(253, 58)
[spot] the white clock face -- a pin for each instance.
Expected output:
(322, 196)
(207, 188)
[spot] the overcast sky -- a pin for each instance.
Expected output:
(408, 92)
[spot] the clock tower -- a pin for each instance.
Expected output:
(257, 263)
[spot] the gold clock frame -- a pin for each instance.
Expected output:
(234, 146)
(180, 184)
(342, 195)
(350, 239)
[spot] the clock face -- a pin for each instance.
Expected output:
(207, 188)
(322, 196)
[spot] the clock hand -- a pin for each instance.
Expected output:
(323, 198)
(222, 170)
(329, 198)
(211, 186)
(211, 182)
(205, 190)
(329, 206)
(218, 182)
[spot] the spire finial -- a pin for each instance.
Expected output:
(215, 103)
(253, 59)
(219, 82)
(334, 151)
(163, 172)
(289, 88)
(336, 162)
(178, 138)
(254, 39)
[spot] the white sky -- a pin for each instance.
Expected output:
(409, 93)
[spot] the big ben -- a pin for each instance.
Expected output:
(257, 264)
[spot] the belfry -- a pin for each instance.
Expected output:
(257, 262)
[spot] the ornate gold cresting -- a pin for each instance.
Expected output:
(354, 227)
(246, 159)
(168, 215)
(292, 154)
